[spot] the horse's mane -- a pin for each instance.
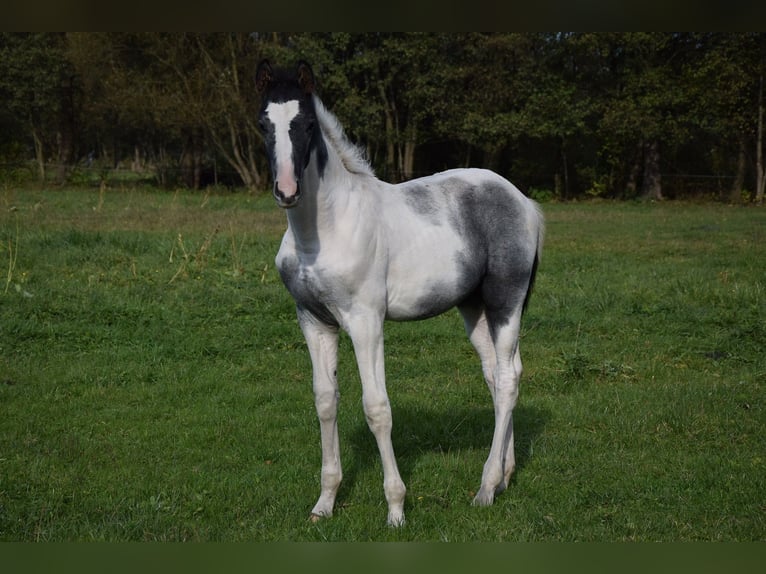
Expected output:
(349, 153)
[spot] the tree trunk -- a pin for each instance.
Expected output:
(245, 165)
(137, 165)
(389, 136)
(67, 130)
(408, 166)
(161, 168)
(235, 140)
(565, 168)
(760, 177)
(631, 186)
(191, 160)
(651, 188)
(735, 193)
(490, 158)
(65, 154)
(39, 155)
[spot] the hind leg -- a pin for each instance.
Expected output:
(476, 327)
(509, 461)
(501, 460)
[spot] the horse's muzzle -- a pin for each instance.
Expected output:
(286, 201)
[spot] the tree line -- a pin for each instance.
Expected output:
(562, 115)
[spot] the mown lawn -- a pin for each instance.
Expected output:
(154, 384)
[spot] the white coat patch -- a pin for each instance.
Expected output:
(281, 115)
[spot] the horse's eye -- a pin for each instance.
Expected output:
(262, 125)
(310, 126)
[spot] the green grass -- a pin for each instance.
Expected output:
(154, 384)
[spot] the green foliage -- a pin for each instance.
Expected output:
(16, 174)
(597, 189)
(32, 70)
(546, 110)
(541, 195)
(154, 383)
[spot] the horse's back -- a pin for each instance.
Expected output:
(464, 179)
(456, 231)
(480, 204)
(457, 186)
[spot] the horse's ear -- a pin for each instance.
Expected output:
(306, 77)
(263, 76)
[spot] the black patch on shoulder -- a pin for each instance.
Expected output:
(303, 292)
(421, 199)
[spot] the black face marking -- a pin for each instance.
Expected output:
(319, 147)
(279, 86)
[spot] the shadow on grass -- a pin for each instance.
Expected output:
(419, 430)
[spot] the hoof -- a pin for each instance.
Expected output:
(314, 518)
(483, 498)
(395, 520)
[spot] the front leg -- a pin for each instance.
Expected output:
(322, 341)
(366, 332)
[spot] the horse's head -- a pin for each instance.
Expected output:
(288, 124)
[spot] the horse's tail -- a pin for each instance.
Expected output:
(540, 222)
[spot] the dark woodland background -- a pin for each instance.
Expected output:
(562, 115)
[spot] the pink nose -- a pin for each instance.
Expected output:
(285, 180)
(287, 187)
(284, 199)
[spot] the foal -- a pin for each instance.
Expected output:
(358, 251)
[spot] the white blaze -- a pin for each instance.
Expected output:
(281, 115)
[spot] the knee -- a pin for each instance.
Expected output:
(326, 403)
(378, 414)
(512, 395)
(507, 386)
(489, 375)
(332, 475)
(394, 490)
(517, 364)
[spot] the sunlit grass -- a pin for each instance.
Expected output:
(154, 384)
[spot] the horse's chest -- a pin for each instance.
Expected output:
(313, 286)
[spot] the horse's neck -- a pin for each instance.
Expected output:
(323, 198)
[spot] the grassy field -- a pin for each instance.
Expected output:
(154, 384)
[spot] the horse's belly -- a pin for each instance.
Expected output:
(429, 290)
(429, 273)
(423, 305)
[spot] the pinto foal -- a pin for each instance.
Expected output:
(358, 251)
